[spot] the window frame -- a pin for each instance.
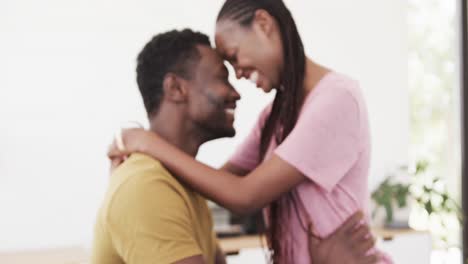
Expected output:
(464, 118)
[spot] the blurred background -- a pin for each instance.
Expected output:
(67, 82)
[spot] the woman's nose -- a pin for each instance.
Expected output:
(239, 73)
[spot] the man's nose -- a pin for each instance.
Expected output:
(235, 95)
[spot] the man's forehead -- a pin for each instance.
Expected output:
(209, 55)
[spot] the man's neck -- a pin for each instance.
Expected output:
(177, 131)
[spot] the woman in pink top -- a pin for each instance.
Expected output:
(307, 158)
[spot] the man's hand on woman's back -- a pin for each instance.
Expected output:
(349, 244)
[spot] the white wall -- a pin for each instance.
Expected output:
(67, 80)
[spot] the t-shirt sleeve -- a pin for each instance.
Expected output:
(150, 223)
(324, 144)
(247, 155)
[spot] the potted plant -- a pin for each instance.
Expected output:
(395, 197)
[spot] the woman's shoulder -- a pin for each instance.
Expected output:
(335, 82)
(335, 85)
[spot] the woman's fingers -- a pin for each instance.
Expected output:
(115, 162)
(360, 234)
(117, 151)
(113, 151)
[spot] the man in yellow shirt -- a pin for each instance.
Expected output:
(147, 215)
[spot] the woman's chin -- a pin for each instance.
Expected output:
(266, 87)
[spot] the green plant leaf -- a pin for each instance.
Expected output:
(428, 207)
(421, 166)
(389, 213)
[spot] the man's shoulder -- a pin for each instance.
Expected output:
(140, 168)
(142, 179)
(139, 163)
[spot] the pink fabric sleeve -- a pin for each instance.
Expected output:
(324, 144)
(247, 155)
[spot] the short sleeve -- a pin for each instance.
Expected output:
(324, 144)
(247, 155)
(150, 223)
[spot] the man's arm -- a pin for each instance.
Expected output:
(220, 258)
(349, 244)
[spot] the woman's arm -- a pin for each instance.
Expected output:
(236, 170)
(242, 195)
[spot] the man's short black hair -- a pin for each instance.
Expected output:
(173, 51)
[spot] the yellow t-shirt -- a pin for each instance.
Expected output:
(149, 217)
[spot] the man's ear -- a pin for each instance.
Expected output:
(175, 88)
(264, 21)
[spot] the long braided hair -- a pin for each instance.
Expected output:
(285, 109)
